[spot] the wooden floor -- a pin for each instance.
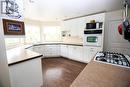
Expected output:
(60, 72)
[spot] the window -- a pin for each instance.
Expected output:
(52, 33)
(32, 33)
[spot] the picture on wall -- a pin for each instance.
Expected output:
(12, 27)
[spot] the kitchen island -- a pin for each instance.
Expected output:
(97, 74)
(24, 67)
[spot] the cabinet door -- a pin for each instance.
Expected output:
(55, 50)
(89, 53)
(81, 26)
(66, 26)
(64, 50)
(76, 53)
(26, 74)
(47, 51)
(51, 50)
(74, 28)
(38, 49)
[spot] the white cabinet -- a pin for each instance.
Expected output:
(80, 26)
(26, 74)
(38, 49)
(79, 53)
(64, 51)
(89, 52)
(66, 26)
(51, 50)
(72, 52)
(47, 50)
(97, 17)
(55, 50)
(76, 52)
(75, 27)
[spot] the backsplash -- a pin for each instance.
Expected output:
(72, 40)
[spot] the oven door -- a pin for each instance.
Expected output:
(92, 40)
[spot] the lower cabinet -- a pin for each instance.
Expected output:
(79, 53)
(90, 52)
(26, 74)
(38, 49)
(48, 50)
(64, 51)
(51, 50)
(72, 52)
(75, 52)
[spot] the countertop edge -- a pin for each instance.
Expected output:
(53, 44)
(20, 61)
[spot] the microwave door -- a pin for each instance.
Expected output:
(92, 40)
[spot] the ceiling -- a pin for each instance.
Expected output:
(56, 10)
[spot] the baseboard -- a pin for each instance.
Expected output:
(64, 58)
(75, 60)
(52, 57)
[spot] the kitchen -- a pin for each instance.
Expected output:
(64, 45)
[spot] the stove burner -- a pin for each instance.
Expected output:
(113, 58)
(102, 59)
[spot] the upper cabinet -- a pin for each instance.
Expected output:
(74, 27)
(12, 9)
(97, 17)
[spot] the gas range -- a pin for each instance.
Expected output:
(112, 58)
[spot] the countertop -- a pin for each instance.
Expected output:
(53, 43)
(97, 74)
(20, 54)
(61, 43)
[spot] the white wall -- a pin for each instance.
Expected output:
(4, 71)
(113, 41)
